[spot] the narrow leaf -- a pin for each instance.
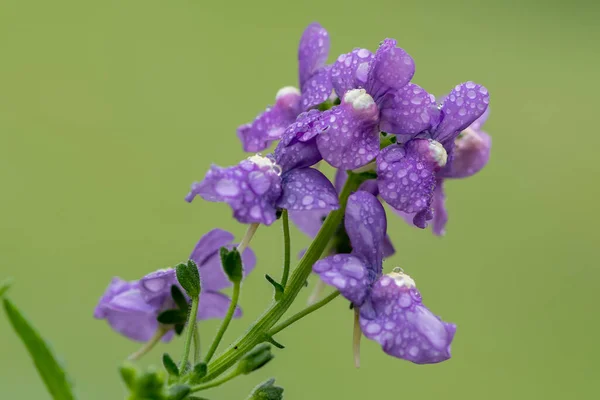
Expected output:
(276, 285)
(172, 317)
(170, 365)
(4, 285)
(179, 298)
(179, 329)
(269, 338)
(48, 367)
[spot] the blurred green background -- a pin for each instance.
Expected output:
(110, 109)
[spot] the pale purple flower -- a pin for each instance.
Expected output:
(369, 85)
(256, 188)
(390, 306)
(409, 173)
(315, 88)
(131, 308)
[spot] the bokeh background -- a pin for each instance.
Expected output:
(110, 109)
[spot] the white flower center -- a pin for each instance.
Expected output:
(438, 153)
(265, 163)
(401, 279)
(359, 99)
(287, 90)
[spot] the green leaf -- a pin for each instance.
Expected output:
(179, 298)
(170, 365)
(129, 374)
(198, 372)
(276, 285)
(189, 278)
(269, 338)
(172, 317)
(232, 264)
(48, 367)
(4, 285)
(178, 392)
(179, 329)
(267, 391)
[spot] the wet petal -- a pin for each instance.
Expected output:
(347, 273)
(406, 112)
(158, 284)
(312, 52)
(366, 226)
(391, 69)
(402, 325)
(317, 89)
(406, 177)
(270, 124)
(440, 216)
(387, 248)
(307, 189)
(309, 222)
(209, 244)
(213, 276)
(470, 154)
(463, 105)
(298, 147)
(479, 122)
(350, 138)
(251, 189)
(350, 71)
(215, 305)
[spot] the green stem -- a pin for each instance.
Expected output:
(214, 383)
(303, 313)
(149, 345)
(225, 323)
(189, 334)
(256, 333)
(196, 344)
(286, 245)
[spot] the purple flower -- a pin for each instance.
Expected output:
(256, 188)
(409, 173)
(315, 88)
(131, 308)
(369, 86)
(390, 306)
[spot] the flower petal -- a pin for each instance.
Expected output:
(391, 69)
(470, 154)
(406, 177)
(440, 216)
(213, 276)
(250, 188)
(366, 227)
(158, 284)
(116, 286)
(349, 139)
(309, 222)
(406, 112)
(140, 327)
(387, 247)
(350, 71)
(312, 52)
(307, 189)
(209, 244)
(463, 105)
(316, 89)
(270, 124)
(215, 305)
(403, 326)
(347, 273)
(298, 148)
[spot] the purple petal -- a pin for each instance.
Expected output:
(387, 247)
(212, 274)
(140, 327)
(312, 52)
(366, 226)
(307, 189)
(209, 244)
(158, 284)
(317, 89)
(347, 273)
(440, 216)
(298, 147)
(341, 176)
(391, 69)
(403, 326)
(406, 177)
(309, 222)
(465, 103)
(116, 286)
(479, 122)
(350, 137)
(270, 125)
(215, 305)
(350, 71)
(250, 188)
(406, 112)
(471, 153)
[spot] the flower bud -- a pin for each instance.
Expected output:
(189, 278)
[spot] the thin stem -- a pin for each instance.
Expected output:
(256, 333)
(316, 293)
(149, 345)
(286, 245)
(225, 323)
(303, 313)
(214, 383)
(247, 237)
(189, 334)
(357, 334)
(196, 344)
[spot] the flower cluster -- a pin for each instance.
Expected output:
(390, 142)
